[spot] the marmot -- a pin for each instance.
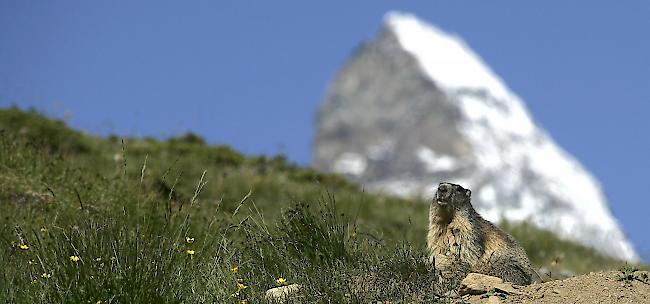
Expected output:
(459, 238)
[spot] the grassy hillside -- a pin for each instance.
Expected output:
(85, 219)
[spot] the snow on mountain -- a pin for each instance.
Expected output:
(417, 106)
(444, 57)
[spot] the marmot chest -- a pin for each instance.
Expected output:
(456, 234)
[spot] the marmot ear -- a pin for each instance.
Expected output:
(468, 193)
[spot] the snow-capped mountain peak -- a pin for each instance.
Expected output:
(436, 112)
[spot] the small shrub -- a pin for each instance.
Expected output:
(188, 138)
(225, 156)
(629, 273)
(51, 134)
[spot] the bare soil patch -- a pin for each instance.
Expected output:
(598, 287)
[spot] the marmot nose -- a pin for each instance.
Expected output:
(444, 192)
(442, 188)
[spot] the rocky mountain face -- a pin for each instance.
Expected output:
(416, 106)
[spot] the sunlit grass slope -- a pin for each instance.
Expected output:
(85, 219)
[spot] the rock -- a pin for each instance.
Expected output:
(281, 294)
(494, 300)
(476, 283)
(507, 288)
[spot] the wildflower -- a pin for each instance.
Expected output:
(189, 251)
(34, 281)
(113, 259)
(189, 240)
(31, 262)
(74, 258)
(234, 269)
(281, 281)
(99, 302)
(233, 295)
(23, 247)
(46, 275)
(43, 229)
(98, 259)
(241, 286)
(243, 302)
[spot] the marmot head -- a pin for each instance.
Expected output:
(452, 197)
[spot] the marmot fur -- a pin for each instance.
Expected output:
(459, 238)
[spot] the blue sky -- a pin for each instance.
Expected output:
(251, 75)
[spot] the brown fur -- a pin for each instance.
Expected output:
(460, 239)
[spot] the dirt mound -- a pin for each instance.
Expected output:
(599, 287)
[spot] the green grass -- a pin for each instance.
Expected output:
(126, 207)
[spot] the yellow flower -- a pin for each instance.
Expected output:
(46, 275)
(74, 258)
(243, 302)
(189, 251)
(281, 281)
(189, 240)
(24, 247)
(241, 286)
(234, 269)
(99, 302)
(98, 259)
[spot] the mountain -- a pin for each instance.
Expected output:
(416, 106)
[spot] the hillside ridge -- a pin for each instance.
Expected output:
(87, 218)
